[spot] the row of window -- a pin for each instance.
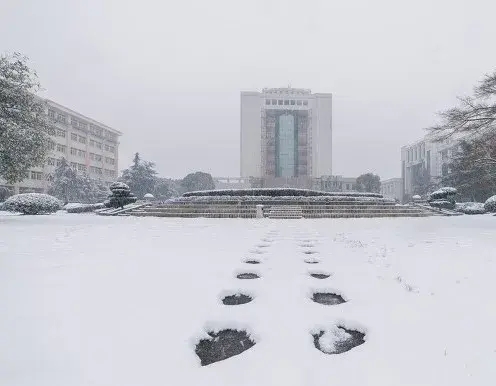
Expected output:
(416, 153)
(77, 167)
(78, 152)
(81, 139)
(80, 125)
(96, 157)
(286, 102)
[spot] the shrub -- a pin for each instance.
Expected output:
(121, 195)
(470, 208)
(83, 208)
(32, 203)
(442, 204)
(445, 193)
(490, 204)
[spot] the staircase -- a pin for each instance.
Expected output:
(285, 211)
(281, 209)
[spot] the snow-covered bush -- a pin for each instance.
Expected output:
(442, 204)
(148, 197)
(443, 193)
(32, 203)
(82, 208)
(490, 204)
(443, 198)
(416, 198)
(470, 208)
(121, 195)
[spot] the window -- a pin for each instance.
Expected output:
(74, 166)
(60, 133)
(73, 136)
(51, 161)
(279, 102)
(81, 167)
(81, 153)
(293, 102)
(61, 118)
(59, 162)
(267, 101)
(286, 102)
(51, 145)
(82, 139)
(61, 148)
(298, 103)
(36, 175)
(98, 145)
(73, 151)
(74, 122)
(274, 101)
(92, 143)
(110, 161)
(305, 103)
(51, 113)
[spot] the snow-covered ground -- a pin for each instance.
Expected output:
(89, 300)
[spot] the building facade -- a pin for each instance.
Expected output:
(425, 162)
(286, 136)
(88, 146)
(392, 188)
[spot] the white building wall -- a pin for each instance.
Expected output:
(322, 135)
(251, 136)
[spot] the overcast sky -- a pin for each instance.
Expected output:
(168, 73)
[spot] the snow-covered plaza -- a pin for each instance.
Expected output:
(93, 300)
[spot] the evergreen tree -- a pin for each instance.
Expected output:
(91, 191)
(164, 188)
(24, 126)
(65, 183)
(140, 176)
(368, 183)
(474, 179)
(197, 181)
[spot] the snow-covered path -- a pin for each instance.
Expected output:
(87, 300)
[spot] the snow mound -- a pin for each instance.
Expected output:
(148, 195)
(119, 185)
(490, 204)
(470, 208)
(32, 203)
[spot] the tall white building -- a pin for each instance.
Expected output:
(89, 146)
(286, 136)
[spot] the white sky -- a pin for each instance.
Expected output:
(168, 73)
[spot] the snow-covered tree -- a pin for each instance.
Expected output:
(4, 193)
(140, 176)
(24, 127)
(91, 191)
(65, 183)
(164, 188)
(197, 181)
(475, 114)
(368, 183)
(475, 180)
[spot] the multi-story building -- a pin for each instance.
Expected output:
(392, 188)
(286, 136)
(426, 157)
(89, 146)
